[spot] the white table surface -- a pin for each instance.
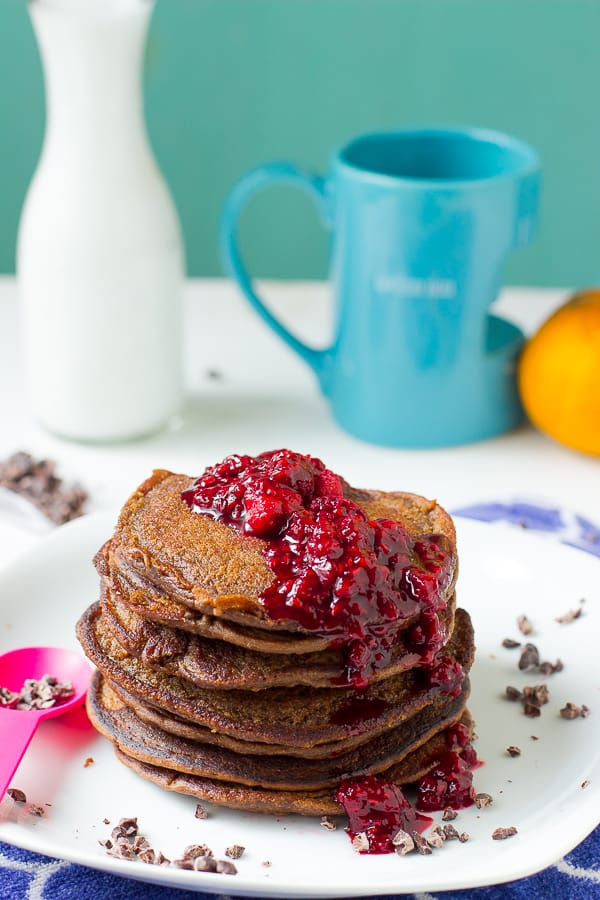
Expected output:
(266, 397)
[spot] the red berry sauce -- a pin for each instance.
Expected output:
(378, 809)
(450, 782)
(337, 574)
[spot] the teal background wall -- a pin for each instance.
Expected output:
(230, 83)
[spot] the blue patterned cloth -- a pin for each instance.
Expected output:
(29, 876)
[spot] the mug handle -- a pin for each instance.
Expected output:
(251, 183)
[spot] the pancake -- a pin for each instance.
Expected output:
(210, 567)
(149, 744)
(298, 717)
(216, 664)
(273, 802)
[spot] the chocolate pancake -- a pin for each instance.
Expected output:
(209, 567)
(274, 802)
(296, 717)
(149, 744)
(216, 664)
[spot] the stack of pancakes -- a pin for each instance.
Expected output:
(201, 692)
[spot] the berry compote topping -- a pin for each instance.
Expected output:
(459, 738)
(449, 783)
(378, 809)
(337, 574)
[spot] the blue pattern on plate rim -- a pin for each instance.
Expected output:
(29, 876)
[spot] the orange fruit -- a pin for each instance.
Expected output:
(559, 374)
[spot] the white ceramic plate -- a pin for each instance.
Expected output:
(504, 572)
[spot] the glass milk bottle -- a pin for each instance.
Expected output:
(99, 257)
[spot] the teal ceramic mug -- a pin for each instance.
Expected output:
(422, 223)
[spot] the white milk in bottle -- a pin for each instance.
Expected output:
(99, 259)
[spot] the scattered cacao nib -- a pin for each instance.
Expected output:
(513, 751)
(148, 856)
(421, 844)
(572, 711)
(162, 860)
(184, 863)
(532, 710)
(267, 862)
(193, 851)
(534, 737)
(88, 762)
(547, 668)
(525, 626)
(224, 867)
(214, 375)
(585, 783)
(360, 842)
(36, 481)
(200, 812)
(204, 864)
(106, 821)
(569, 616)
(537, 693)
(450, 832)
(106, 843)
(36, 694)
(235, 851)
(482, 800)
(403, 843)
(328, 823)
(436, 837)
(512, 693)
(510, 644)
(16, 795)
(530, 657)
(38, 811)
(464, 836)
(140, 843)
(8, 699)
(500, 834)
(449, 814)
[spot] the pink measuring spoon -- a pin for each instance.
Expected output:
(18, 726)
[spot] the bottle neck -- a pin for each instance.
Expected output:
(92, 53)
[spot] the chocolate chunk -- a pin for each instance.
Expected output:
(16, 795)
(482, 800)
(436, 837)
(36, 481)
(449, 814)
(200, 812)
(510, 644)
(512, 693)
(360, 842)
(530, 657)
(572, 711)
(193, 851)
(204, 864)
(500, 834)
(537, 693)
(513, 751)
(569, 616)
(328, 823)
(451, 832)
(525, 626)
(225, 867)
(403, 843)
(421, 844)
